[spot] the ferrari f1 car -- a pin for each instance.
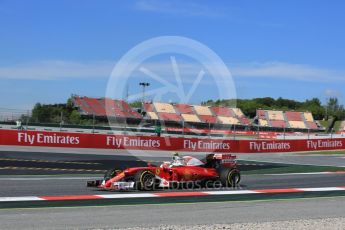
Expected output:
(217, 170)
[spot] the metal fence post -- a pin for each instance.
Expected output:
(183, 128)
(308, 134)
(209, 130)
(93, 123)
(27, 120)
(61, 121)
(234, 132)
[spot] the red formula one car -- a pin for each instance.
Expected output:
(187, 171)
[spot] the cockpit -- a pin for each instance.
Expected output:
(182, 161)
(192, 161)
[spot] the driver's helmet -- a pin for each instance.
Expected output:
(166, 164)
(177, 160)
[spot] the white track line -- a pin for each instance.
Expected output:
(322, 189)
(23, 198)
(136, 195)
(306, 173)
(236, 192)
(309, 173)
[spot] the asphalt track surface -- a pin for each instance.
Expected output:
(298, 158)
(71, 185)
(71, 153)
(24, 173)
(38, 163)
(186, 215)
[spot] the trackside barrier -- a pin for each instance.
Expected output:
(225, 132)
(111, 141)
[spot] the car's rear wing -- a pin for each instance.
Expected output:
(224, 156)
(225, 159)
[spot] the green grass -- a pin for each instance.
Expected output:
(231, 136)
(336, 125)
(334, 152)
(323, 123)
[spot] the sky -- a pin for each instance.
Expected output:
(50, 50)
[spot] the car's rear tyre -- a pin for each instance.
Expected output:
(145, 180)
(230, 177)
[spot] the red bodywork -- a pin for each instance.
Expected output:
(180, 174)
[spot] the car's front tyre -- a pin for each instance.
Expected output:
(145, 180)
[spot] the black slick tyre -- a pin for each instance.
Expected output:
(145, 180)
(230, 177)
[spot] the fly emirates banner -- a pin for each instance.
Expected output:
(104, 141)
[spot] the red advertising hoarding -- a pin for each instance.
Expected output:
(104, 141)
